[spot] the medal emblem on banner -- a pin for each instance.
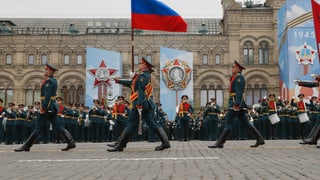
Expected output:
(176, 74)
(305, 54)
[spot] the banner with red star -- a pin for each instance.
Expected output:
(102, 65)
(176, 67)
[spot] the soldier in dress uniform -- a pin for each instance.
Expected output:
(213, 112)
(119, 115)
(2, 115)
(60, 119)
(273, 107)
(284, 115)
(96, 116)
(237, 108)
(20, 124)
(48, 112)
(184, 114)
(28, 127)
(10, 124)
(142, 107)
(81, 121)
(301, 109)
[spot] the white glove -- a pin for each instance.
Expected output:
(132, 74)
(296, 81)
(314, 76)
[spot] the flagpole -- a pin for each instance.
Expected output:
(132, 49)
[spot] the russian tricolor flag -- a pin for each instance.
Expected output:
(155, 15)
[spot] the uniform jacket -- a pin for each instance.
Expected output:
(236, 90)
(48, 95)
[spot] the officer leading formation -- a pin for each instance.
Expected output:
(142, 108)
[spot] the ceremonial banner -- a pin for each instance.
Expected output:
(155, 15)
(298, 55)
(101, 66)
(176, 78)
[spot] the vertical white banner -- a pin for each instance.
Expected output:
(176, 78)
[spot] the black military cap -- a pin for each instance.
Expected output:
(81, 105)
(59, 98)
(272, 95)
(286, 101)
(30, 107)
(301, 95)
(184, 97)
(37, 103)
(11, 104)
(96, 101)
(21, 105)
(120, 97)
(314, 97)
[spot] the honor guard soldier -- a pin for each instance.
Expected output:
(10, 123)
(60, 119)
(302, 114)
(284, 119)
(119, 115)
(81, 119)
(96, 118)
(212, 112)
(184, 115)
(274, 118)
(237, 108)
(28, 124)
(143, 107)
(20, 124)
(2, 115)
(71, 119)
(48, 112)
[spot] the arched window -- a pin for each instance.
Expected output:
(263, 53)
(8, 59)
(248, 52)
(44, 59)
(72, 94)
(255, 93)
(66, 59)
(79, 59)
(6, 94)
(149, 58)
(218, 59)
(80, 96)
(206, 93)
(65, 94)
(136, 59)
(31, 59)
(205, 59)
(32, 94)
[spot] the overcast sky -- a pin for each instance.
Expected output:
(103, 8)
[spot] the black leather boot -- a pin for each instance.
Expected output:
(222, 139)
(26, 146)
(68, 138)
(122, 142)
(258, 137)
(117, 141)
(313, 136)
(164, 140)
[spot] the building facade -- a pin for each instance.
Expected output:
(245, 34)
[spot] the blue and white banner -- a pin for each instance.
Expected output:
(176, 78)
(101, 66)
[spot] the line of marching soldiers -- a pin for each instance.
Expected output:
(95, 124)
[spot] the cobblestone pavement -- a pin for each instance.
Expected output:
(277, 159)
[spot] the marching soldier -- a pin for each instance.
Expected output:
(184, 115)
(237, 109)
(20, 124)
(143, 108)
(81, 121)
(48, 112)
(60, 119)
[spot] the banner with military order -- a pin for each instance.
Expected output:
(176, 78)
(101, 66)
(298, 55)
